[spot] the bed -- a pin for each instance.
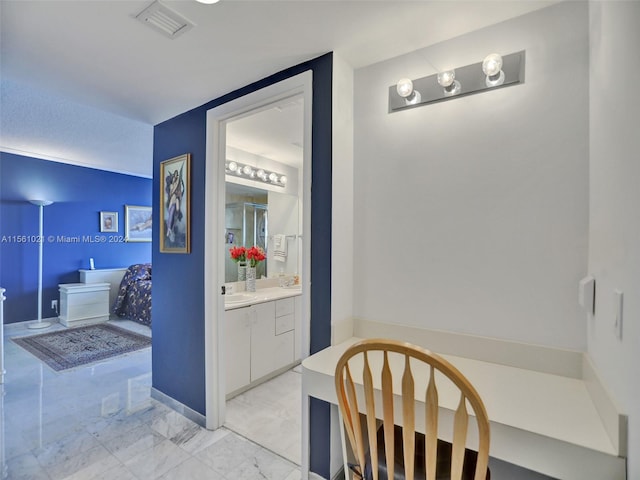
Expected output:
(133, 301)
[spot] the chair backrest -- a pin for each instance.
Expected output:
(346, 390)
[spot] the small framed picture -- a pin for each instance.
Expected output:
(108, 221)
(175, 205)
(137, 223)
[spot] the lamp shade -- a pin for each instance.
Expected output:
(41, 203)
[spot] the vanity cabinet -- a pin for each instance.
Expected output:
(259, 341)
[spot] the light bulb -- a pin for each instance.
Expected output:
(492, 64)
(273, 177)
(404, 87)
(492, 68)
(283, 179)
(233, 166)
(247, 170)
(448, 81)
(260, 174)
(445, 79)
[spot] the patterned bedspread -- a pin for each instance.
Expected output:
(134, 296)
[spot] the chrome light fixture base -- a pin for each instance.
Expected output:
(468, 80)
(249, 172)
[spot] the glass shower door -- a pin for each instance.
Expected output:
(255, 231)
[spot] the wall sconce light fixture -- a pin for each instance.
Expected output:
(493, 72)
(248, 172)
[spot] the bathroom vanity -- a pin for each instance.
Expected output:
(263, 331)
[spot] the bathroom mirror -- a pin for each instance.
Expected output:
(263, 168)
(266, 219)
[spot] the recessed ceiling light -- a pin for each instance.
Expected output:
(208, 2)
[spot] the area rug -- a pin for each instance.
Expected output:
(73, 347)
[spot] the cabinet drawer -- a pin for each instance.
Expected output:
(284, 306)
(86, 311)
(285, 323)
(86, 298)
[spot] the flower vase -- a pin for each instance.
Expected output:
(242, 271)
(250, 285)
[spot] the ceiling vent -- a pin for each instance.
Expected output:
(164, 20)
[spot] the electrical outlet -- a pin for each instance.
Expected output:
(54, 305)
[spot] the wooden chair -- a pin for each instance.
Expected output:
(402, 453)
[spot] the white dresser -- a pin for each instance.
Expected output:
(83, 303)
(113, 276)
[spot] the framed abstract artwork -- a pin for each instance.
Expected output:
(175, 205)
(137, 223)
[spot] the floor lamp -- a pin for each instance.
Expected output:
(41, 204)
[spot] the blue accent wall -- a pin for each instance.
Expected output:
(178, 288)
(71, 228)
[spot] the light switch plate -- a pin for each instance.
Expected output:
(618, 305)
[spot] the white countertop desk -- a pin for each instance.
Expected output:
(541, 421)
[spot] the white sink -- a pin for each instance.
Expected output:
(239, 298)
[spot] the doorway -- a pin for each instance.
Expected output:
(263, 208)
(217, 235)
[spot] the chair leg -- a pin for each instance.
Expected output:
(343, 440)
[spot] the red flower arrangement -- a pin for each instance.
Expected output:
(255, 255)
(238, 254)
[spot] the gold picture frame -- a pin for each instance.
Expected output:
(137, 223)
(175, 204)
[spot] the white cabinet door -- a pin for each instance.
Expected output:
(263, 340)
(283, 351)
(238, 345)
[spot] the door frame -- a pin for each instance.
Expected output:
(217, 118)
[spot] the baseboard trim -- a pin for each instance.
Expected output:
(315, 476)
(181, 408)
(615, 423)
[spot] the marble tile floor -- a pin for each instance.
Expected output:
(99, 422)
(270, 415)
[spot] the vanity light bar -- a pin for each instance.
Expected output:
(495, 71)
(249, 172)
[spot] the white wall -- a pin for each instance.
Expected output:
(614, 221)
(342, 231)
(471, 215)
(41, 125)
